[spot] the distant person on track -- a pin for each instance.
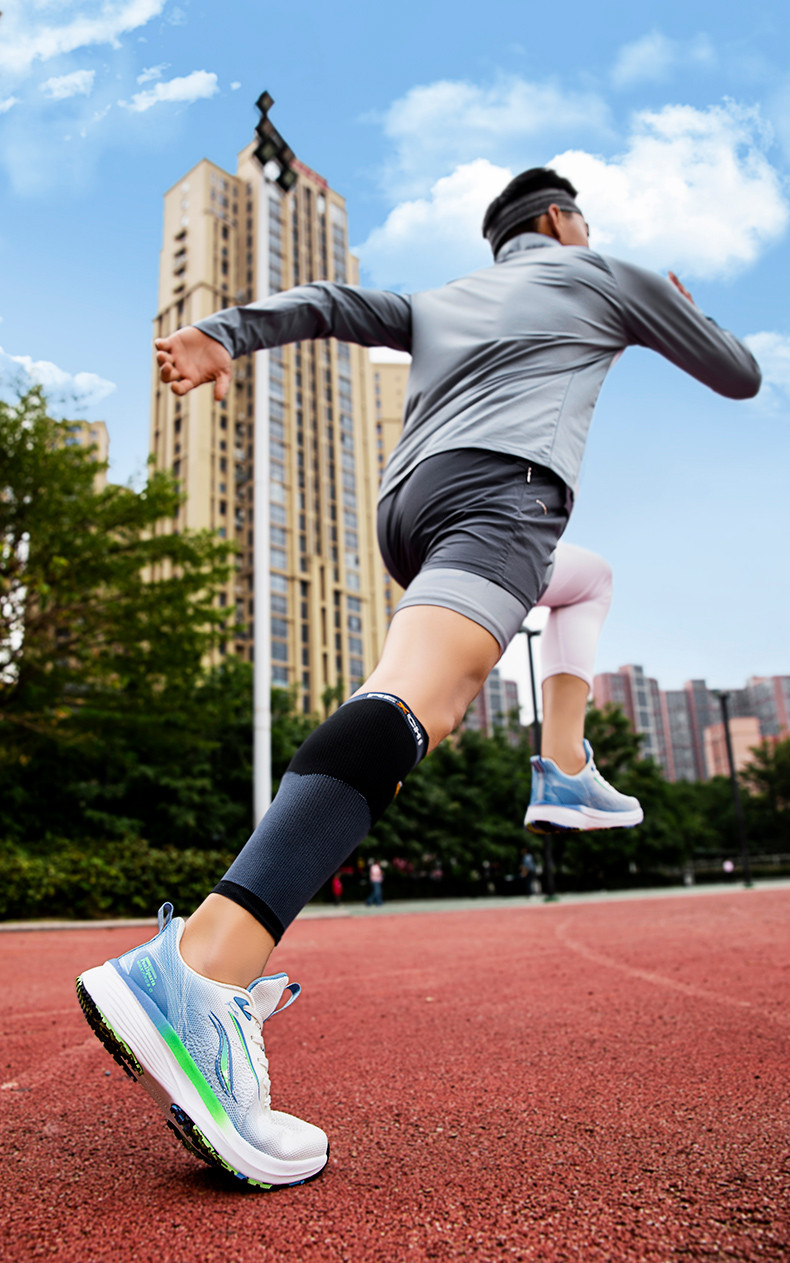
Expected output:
(528, 871)
(506, 367)
(375, 898)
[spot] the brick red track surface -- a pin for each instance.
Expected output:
(590, 1082)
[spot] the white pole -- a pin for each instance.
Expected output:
(262, 672)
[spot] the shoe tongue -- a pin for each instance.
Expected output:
(266, 994)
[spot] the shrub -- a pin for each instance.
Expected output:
(129, 878)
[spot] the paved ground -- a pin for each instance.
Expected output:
(594, 1082)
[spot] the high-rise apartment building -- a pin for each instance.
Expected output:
(390, 373)
(494, 705)
(744, 736)
(769, 700)
(230, 239)
(682, 727)
(639, 697)
(681, 752)
(91, 434)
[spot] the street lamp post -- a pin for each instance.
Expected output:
(529, 633)
(736, 791)
(275, 159)
(548, 883)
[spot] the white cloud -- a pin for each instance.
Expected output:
(387, 355)
(428, 240)
(693, 191)
(76, 389)
(30, 36)
(8, 104)
(437, 127)
(772, 352)
(78, 83)
(653, 58)
(234, 87)
(193, 87)
(152, 72)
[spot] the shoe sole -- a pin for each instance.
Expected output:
(550, 819)
(111, 1011)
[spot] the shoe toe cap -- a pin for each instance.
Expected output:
(295, 1139)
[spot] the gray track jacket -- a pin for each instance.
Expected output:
(510, 358)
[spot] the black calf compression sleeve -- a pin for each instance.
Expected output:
(336, 787)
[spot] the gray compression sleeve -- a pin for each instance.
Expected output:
(658, 316)
(369, 317)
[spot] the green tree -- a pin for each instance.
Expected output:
(461, 810)
(766, 783)
(99, 666)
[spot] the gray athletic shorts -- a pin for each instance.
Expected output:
(475, 531)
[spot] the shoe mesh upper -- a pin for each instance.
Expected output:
(220, 1028)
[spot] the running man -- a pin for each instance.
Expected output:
(506, 367)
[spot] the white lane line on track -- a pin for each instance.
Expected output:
(660, 980)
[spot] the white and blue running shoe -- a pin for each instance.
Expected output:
(583, 801)
(197, 1047)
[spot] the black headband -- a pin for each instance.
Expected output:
(522, 209)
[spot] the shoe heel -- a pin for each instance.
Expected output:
(115, 1046)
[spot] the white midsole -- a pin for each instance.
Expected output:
(584, 817)
(168, 1084)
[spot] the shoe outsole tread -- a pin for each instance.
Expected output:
(180, 1124)
(543, 827)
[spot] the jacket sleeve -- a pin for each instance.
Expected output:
(322, 309)
(659, 317)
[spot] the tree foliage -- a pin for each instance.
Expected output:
(102, 673)
(766, 784)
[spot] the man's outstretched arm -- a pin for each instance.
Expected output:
(662, 315)
(203, 352)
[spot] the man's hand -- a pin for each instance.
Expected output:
(188, 358)
(680, 288)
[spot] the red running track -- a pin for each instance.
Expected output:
(596, 1082)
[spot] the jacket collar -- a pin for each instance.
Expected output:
(524, 241)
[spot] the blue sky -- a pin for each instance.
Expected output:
(674, 126)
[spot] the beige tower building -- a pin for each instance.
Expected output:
(390, 372)
(91, 434)
(221, 246)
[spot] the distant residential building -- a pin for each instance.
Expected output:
(769, 699)
(91, 434)
(493, 706)
(704, 710)
(681, 757)
(745, 735)
(681, 728)
(229, 238)
(389, 390)
(640, 698)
